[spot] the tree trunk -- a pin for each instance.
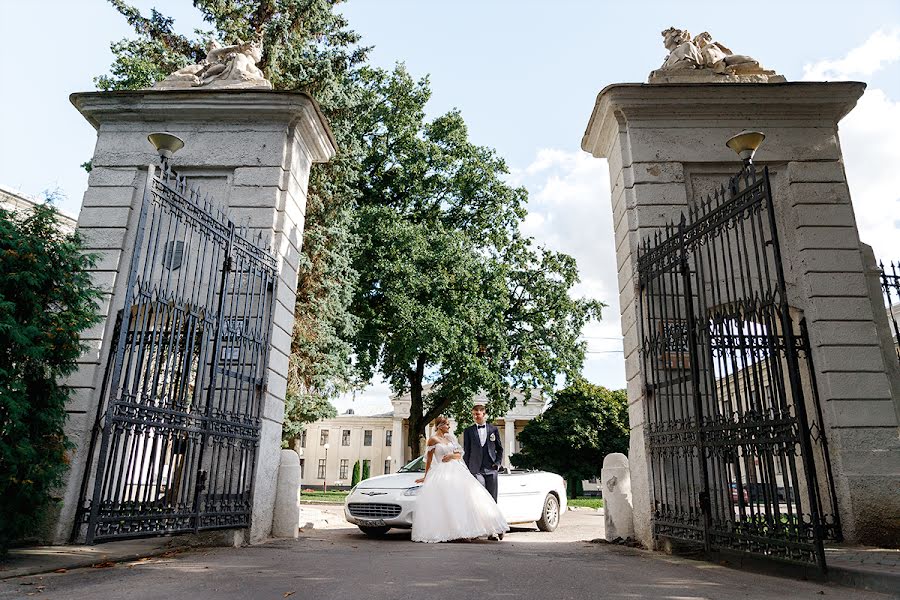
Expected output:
(417, 421)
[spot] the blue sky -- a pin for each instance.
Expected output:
(524, 74)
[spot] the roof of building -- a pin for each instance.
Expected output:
(15, 200)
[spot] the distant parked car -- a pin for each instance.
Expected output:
(734, 493)
(389, 501)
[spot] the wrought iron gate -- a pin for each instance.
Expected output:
(180, 429)
(737, 453)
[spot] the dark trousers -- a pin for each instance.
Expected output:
(489, 481)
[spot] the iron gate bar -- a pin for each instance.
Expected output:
(182, 423)
(724, 399)
(890, 287)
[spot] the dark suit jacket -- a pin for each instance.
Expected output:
(472, 448)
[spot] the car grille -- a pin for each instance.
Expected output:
(366, 510)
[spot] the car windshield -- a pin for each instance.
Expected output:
(416, 466)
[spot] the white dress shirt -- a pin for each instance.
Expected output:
(482, 433)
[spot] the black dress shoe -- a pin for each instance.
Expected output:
(500, 537)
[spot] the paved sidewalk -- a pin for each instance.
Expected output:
(865, 567)
(50, 559)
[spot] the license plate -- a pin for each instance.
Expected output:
(370, 523)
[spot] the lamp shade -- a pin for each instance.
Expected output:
(166, 144)
(745, 143)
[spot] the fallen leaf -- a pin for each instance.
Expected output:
(61, 571)
(103, 565)
(286, 594)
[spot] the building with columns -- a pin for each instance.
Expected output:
(329, 448)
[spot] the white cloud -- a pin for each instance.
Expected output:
(569, 211)
(869, 137)
(881, 49)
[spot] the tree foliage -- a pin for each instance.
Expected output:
(46, 300)
(583, 424)
(452, 299)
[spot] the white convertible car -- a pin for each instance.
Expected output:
(388, 501)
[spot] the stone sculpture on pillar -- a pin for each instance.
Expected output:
(225, 67)
(703, 60)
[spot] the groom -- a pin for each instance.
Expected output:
(483, 451)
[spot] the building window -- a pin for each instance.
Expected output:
(303, 439)
(387, 467)
(367, 437)
(345, 437)
(301, 469)
(388, 437)
(345, 464)
(321, 468)
(323, 438)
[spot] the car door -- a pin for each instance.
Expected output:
(518, 497)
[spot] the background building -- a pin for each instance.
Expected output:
(14, 201)
(329, 448)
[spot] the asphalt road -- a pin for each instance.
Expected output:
(338, 562)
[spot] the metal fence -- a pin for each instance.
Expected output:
(890, 288)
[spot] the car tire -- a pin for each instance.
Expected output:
(374, 532)
(550, 514)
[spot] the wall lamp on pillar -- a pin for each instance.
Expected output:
(166, 144)
(745, 144)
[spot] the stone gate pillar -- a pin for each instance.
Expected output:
(666, 149)
(252, 152)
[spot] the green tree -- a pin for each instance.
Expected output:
(450, 293)
(308, 46)
(300, 409)
(355, 478)
(46, 300)
(365, 471)
(583, 424)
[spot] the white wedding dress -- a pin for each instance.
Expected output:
(451, 504)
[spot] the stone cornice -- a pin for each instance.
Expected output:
(823, 103)
(296, 108)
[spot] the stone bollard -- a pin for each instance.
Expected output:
(615, 478)
(286, 519)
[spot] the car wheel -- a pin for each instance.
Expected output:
(374, 532)
(550, 515)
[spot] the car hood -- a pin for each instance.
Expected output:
(390, 482)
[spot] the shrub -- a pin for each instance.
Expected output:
(46, 300)
(355, 478)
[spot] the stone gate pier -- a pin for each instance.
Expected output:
(665, 143)
(251, 151)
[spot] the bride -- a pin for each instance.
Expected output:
(451, 504)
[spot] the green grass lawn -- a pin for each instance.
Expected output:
(320, 497)
(586, 502)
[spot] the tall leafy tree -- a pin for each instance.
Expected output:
(308, 46)
(452, 299)
(583, 424)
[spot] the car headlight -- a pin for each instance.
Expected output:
(413, 491)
